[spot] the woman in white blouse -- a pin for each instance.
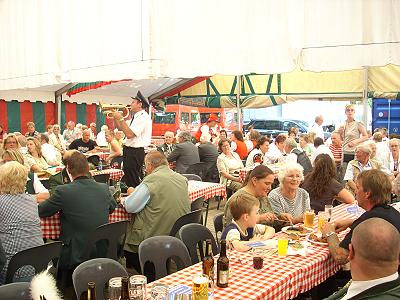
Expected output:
(227, 163)
(34, 158)
(57, 140)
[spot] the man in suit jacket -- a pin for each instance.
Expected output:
(185, 153)
(208, 155)
(84, 205)
(374, 260)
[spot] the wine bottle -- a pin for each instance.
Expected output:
(125, 288)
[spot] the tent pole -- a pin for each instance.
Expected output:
(365, 97)
(239, 85)
(58, 111)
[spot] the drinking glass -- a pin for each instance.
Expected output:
(200, 287)
(137, 287)
(159, 291)
(309, 218)
(258, 259)
(114, 287)
(282, 246)
(322, 220)
(329, 210)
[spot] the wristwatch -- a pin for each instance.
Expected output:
(330, 233)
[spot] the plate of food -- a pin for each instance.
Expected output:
(317, 240)
(297, 229)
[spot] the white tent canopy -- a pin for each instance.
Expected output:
(51, 42)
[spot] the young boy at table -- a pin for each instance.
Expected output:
(243, 228)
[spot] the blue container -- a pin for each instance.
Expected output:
(386, 113)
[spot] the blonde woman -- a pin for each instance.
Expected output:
(33, 185)
(19, 220)
(11, 142)
(353, 133)
(113, 145)
(34, 158)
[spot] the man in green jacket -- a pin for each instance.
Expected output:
(84, 205)
(374, 260)
(158, 202)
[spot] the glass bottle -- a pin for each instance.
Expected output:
(222, 267)
(91, 294)
(208, 261)
(125, 288)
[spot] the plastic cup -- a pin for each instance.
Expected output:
(282, 246)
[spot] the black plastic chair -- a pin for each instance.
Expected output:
(198, 204)
(109, 236)
(192, 177)
(16, 290)
(102, 178)
(218, 224)
(194, 237)
(98, 270)
(37, 257)
(159, 250)
(192, 217)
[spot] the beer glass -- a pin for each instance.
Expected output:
(309, 218)
(322, 220)
(200, 287)
(114, 288)
(282, 246)
(137, 287)
(328, 210)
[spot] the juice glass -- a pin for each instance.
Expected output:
(322, 220)
(282, 246)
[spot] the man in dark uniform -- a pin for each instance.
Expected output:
(138, 136)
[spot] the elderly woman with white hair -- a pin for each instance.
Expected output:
(57, 140)
(362, 162)
(19, 218)
(289, 199)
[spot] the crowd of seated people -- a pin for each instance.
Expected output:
(253, 208)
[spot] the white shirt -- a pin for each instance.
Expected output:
(60, 142)
(319, 131)
(37, 185)
(320, 150)
(350, 170)
(141, 127)
(274, 153)
(101, 139)
(356, 287)
(51, 155)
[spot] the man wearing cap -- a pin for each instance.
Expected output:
(210, 127)
(138, 136)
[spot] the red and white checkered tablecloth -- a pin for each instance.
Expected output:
(115, 174)
(207, 190)
(281, 277)
(51, 226)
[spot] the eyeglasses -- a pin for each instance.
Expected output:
(349, 109)
(294, 177)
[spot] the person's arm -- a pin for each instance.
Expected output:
(339, 254)
(233, 238)
(51, 206)
(135, 202)
(364, 135)
(173, 156)
(265, 232)
(345, 196)
(35, 168)
(116, 149)
(94, 145)
(41, 192)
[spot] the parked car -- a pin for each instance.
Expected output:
(276, 126)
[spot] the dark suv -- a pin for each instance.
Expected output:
(277, 126)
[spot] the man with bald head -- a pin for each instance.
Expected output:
(374, 259)
(85, 144)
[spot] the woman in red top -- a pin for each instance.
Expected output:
(241, 148)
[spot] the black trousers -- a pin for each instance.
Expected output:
(133, 165)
